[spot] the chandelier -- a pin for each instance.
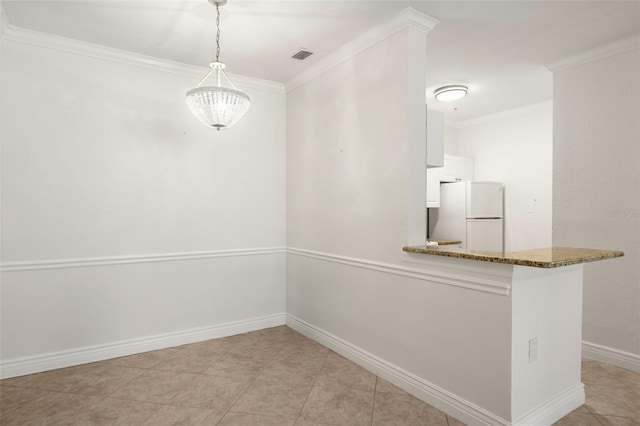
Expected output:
(217, 106)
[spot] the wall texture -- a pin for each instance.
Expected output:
(346, 152)
(450, 138)
(515, 147)
(347, 168)
(596, 191)
(102, 161)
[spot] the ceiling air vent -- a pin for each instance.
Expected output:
(302, 55)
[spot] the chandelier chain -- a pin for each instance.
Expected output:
(218, 33)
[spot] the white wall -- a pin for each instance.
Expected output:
(347, 151)
(4, 22)
(596, 192)
(546, 304)
(450, 138)
(515, 147)
(347, 192)
(102, 159)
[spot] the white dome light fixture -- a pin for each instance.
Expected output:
(217, 106)
(451, 93)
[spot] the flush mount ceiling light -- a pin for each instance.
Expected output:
(451, 93)
(217, 106)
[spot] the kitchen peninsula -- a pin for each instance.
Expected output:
(552, 257)
(535, 317)
(442, 242)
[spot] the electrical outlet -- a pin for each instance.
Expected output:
(533, 349)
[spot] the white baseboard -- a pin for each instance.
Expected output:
(554, 409)
(420, 388)
(611, 356)
(54, 360)
(467, 412)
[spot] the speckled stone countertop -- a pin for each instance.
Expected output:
(552, 257)
(442, 242)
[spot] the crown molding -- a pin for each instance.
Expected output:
(407, 18)
(601, 52)
(502, 115)
(413, 18)
(4, 21)
(50, 41)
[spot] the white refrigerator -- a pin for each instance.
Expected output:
(472, 212)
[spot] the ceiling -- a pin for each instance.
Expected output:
(497, 48)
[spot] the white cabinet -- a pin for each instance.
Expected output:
(464, 169)
(433, 187)
(456, 169)
(435, 138)
(448, 173)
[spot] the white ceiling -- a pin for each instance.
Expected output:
(497, 48)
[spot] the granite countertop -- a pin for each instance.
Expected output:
(442, 242)
(551, 257)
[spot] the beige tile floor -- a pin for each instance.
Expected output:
(270, 377)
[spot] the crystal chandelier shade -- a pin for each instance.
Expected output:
(217, 106)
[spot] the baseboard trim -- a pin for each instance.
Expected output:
(54, 360)
(611, 356)
(420, 388)
(33, 265)
(554, 409)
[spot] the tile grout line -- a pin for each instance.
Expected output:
(27, 402)
(255, 348)
(89, 407)
(169, 402)
(312, 386)
(373, 406)
(251, 381)
(108, 396)
(152, 414)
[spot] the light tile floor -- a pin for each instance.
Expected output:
(273, 377)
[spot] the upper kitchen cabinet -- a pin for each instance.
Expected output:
(435, 138)
(457, 169)
(433, 187)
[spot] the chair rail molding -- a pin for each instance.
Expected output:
(470, 278)
(33, 265)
